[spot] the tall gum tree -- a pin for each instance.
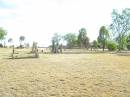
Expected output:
(120, 26)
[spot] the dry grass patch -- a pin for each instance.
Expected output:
(66, 75)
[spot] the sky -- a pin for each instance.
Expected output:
(38, 20)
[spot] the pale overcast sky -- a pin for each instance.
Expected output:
(38, 20)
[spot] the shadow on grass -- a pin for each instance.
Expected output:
(89, 52)
(123, 54)
(79, 52)
(27, 57)
(96, 52)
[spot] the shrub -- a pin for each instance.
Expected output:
(111, 46)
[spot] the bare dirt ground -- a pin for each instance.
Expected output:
(65, 75)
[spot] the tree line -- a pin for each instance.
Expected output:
(112, 37)
(72, 40)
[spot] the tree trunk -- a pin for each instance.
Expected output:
(13, 52)
(103, 46)
(36, 53)
(61, 48)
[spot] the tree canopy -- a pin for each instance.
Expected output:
(56, 38)
(21, 38)
(71, 39)
(10, 40)
(103, 36)
(82, 37)
(3, 33)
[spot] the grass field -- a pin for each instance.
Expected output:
(65, 75)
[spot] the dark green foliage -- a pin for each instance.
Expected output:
(103, 36)
(82, 36)
(83, 40)
(71, 40)
(111, 46)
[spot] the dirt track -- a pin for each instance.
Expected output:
(66, 75)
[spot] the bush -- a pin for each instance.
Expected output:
(112, 46)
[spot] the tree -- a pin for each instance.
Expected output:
(103, 36)
(27, 45)
(95, 44)
(35, 49)
(120, 26)
(3, 33)
(71, 40)
(21, 39)
(55, 43)
(82, 38)
(10, 40)
(86, 42)
(128, 42)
